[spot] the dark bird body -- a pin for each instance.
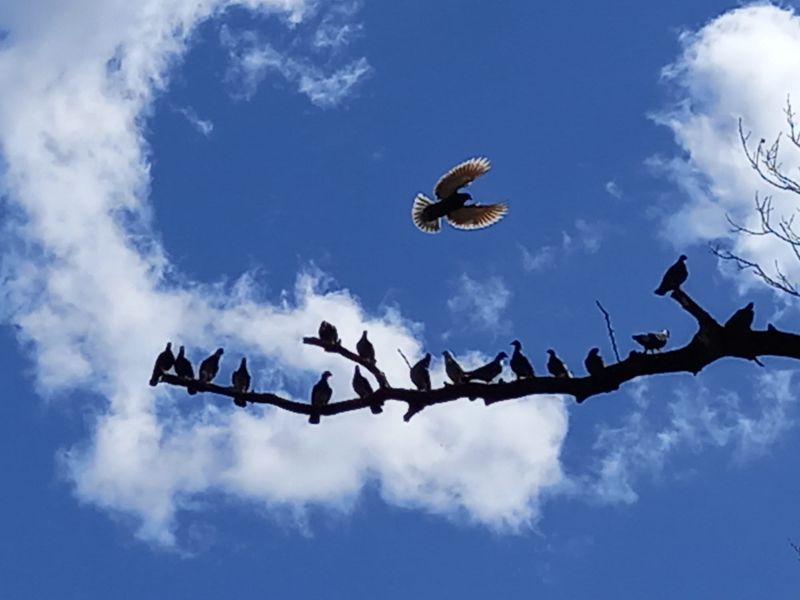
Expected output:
(363, 388)
(365, 349)
(488, 371)
(320, 395)
(164, 363)
(452, 368)
(184, 369)
(556, 366)
(594, 362)
(420, 374)
(210, 367)
(328, 334)
(742, 319)
(651, 342)
(674, 278)
(452, 203)
(241, 382)
(519, 363)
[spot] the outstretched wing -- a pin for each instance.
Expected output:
(477, 216)
(461, 175)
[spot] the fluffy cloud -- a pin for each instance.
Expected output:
(93, 295)
(480, 304)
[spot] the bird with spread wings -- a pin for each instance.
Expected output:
(452, 203)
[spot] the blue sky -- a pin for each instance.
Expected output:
(233, 172)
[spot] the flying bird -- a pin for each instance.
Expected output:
(742, 319)
(519, 363)
(164, 363)
(594, 362)
(453, 369)
(365, 349)
(556, 366)
(651, 342)
(210, 367)
(184, 369)
(452, 203)
(420, 375)
(241, 382)
(320, 395)
(328, 334)
(362, 387)
(674, 277)
(488, 371)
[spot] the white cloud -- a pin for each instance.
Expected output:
(337, 29)
(93, 295)
(613, 188)
(740, 65)
(537, 260)
(480, 304)
(203, 126)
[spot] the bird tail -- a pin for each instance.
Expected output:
(314, 419)
(376, 408)
(661, 291)
(421, 202)
(155, 377)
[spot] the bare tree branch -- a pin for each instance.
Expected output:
(610, 329)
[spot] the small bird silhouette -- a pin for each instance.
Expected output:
(210, 367)
(164, 362)
(420, 374)
(320, 395)
(556, 366)
(674, 278)
(453, 369)
(365, 349)
(241, 382)
(594, 362)
(184, 369)
(488, 371)
(651, 342)
(362, 387)
(519, 363)
(452, 204)
(742, 319)
(328, 334)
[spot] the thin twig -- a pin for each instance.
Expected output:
(610, 329)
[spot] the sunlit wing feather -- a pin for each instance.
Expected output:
(461, 175)
(421, 202)
(477, 216)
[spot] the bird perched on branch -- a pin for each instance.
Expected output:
(164, 362)
(320, 395)
(362, 387)
(742, 319)
(452, 203)
(556, 366)
(674, 278)
(519, 363)
(210, 367)
(651, 342)
(184, 369)
(420, 374)
(241, 382)
(365, 349)
(328, 334)
(488, 371)
(594, 362)
(453, 369)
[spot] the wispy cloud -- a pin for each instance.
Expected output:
(613, 188)
(203, 126)
(480, 304)
(585, 237)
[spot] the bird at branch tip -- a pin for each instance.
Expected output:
(184, 369)
(556, 367)
(328, 334)
(674, 278)
(452, 203)
(164, 362)
(488, 371)
(320, 396)
(210, 367)
(519, 363)
(742, 319)
(453, 369)
(652, 342)
(365, 349)
(420, 374)
(241, 382)
(594, 362)
(363, 388)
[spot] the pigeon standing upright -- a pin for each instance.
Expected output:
(652, 341)
(164, 362)
(362, 387)
(184, 369)
(241, 382)
(519, 363)
(365, 349)
(452, 368)
(742, 319)
(488, 371)
(674, 277)
(556, 366)
(328, 334)
(210, 367)
(427, 214)
(420, 375)
(594, 362)
(320, 396)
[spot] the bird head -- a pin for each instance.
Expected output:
(427, 359)
(169, 347)
(358, 371)
(180, 351)
(500, 356)
(551, 352)
(665, 332)
(219, 352)
(243, 363)
(447, 355)
(750, 306)
(327, 374)
(517, 344)
(364, 335)
(682, 257)
(594, 351)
